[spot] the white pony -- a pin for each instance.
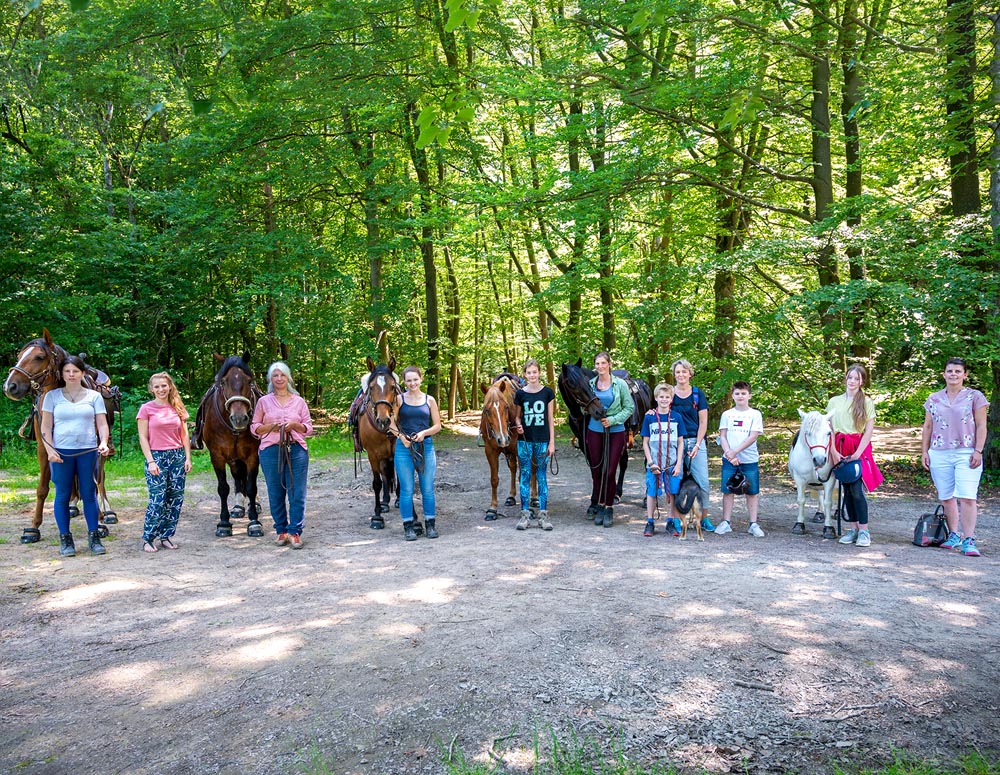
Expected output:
(811, 466)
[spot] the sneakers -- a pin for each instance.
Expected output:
(543, 520)
(969, 547)
(864, 538)
(723, 527)
(754, 530)
(954, 541)
(849, 537)
(295, 541)
(674, 527)
(525, 521)
(282, 539)
(706, 525)
(650, 528)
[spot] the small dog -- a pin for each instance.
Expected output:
(690, 504)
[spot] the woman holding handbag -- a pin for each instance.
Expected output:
(954, 434)
(853, 420)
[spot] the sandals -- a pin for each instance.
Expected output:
(147, 546)
(166, 543)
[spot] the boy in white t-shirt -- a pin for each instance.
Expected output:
(739, 428)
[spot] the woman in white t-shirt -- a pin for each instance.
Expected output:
(75, 431)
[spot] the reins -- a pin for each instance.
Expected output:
(285, 441)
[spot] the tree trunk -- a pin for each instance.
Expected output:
(960, 47)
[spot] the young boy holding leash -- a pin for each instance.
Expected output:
(739, 428)
(663, 435)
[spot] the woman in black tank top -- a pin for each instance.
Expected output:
(417, 420)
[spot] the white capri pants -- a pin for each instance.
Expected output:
(952, 475)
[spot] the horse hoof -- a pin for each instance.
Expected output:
(377, 523)
(255, 530)
(103, 531)
(418, 528)
(819, 518)
(829, 532)
(237, 512)
(74, 512)
(510, 502)
(385, 506)
(396, 503)
(491, 516)
(110, 518)
(31, 535)
(533, 503)
(223, 531)
(799, 529)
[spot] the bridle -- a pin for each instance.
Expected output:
(35, 381)
(495, 433)
(371, 404)
(220, 388)
(826, 447)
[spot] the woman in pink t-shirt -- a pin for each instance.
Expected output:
(163, 436)
(953, 437)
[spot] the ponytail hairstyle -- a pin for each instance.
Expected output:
(173, 396)
(859, 411)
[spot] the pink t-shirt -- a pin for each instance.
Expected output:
(165, 426)
(269, 410)
(954, 421)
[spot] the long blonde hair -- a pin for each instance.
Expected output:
(173, 397)
(859, 408)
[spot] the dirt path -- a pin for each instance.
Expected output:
(235, 656)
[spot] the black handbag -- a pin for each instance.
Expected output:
(931, 529)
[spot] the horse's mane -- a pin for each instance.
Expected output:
(812, 421)
(230, 362)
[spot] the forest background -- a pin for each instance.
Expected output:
(771, 189)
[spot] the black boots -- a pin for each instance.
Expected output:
(96, 547)
(430, 529)
(408, 532)
(66, 547)
(609, 514)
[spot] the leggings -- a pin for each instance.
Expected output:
(529, 452)
(604, 472)
(856, 503)
(83, 468)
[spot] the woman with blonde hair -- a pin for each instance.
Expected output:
(163, 436)
(853, 420)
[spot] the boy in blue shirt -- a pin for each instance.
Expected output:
(663, 434)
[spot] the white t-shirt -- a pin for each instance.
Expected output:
(73, 423)
(738, 426)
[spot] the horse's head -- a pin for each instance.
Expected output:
(574, 386)
(817, 434)
(234, 380)
(36, 367)
(496, 412)
(382, 392)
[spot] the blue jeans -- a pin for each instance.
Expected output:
(83, 468)
(289, 484)
(529, 452)
(750, 470)
(166, 494)
(405, 473)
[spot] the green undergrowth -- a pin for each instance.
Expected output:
(552, 756)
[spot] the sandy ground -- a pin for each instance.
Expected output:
(372, 655)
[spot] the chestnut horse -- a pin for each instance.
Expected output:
(378, 404)
(223, 425)
(499, 437)
(35, 373)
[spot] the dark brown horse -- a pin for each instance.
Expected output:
(378, 405)
(223, 425)
(35, 373)
(499, 437)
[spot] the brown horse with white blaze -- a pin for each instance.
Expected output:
(499, 437)
(34, 373)
(375, 415)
